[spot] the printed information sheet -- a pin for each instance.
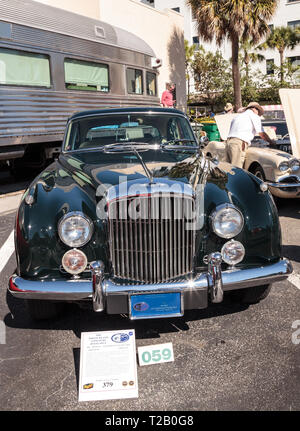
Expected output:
(108, 368)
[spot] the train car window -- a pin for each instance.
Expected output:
(24, 68)
(85, 75)
(134, 79)
(151, 84)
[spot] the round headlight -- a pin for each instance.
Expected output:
(284, 166)
(233, 252)
(295, 165)
(227, 221)
(75, 229)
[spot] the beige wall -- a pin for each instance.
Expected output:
(89, 8)
(162, 30)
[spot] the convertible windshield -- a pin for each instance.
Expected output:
(103, 130)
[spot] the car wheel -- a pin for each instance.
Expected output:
(251, 295)
(259, 173)
(42, 310)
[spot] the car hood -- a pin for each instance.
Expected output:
(111, 169)
(290, 99)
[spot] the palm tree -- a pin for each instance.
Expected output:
(249, 56)
(189, 54)
(281, 38)
(237, 20)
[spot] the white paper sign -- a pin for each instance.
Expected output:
(155, 354)
(108, 367)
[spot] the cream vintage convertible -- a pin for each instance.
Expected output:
(280, 170)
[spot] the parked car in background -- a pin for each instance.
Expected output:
(133, 219)
(275, 166)
(278, 131)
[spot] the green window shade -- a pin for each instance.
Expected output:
(82, 75)
(23, 68)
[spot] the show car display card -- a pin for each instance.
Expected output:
(108, 368)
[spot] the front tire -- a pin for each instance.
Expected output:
(42, 309)
(251, 295)
(259, 173)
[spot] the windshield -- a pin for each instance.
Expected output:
(95, 132)
(280, 128)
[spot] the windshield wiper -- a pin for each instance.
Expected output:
(123, 146)
(132, 146)
(173, 145)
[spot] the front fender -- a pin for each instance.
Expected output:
(38, 247)
(261, 235)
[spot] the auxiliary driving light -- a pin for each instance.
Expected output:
(233, 252)
(74, 261)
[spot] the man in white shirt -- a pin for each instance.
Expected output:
(243, 128)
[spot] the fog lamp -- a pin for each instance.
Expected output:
(233, 252)
(74, 261)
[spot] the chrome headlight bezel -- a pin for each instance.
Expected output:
(222, 209)
(87, 224)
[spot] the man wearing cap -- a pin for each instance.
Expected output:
(243, 128)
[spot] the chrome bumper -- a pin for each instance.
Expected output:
(285, 190)
(106, 293)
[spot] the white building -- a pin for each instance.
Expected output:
(287, 14)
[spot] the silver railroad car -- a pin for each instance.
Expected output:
(54, 63)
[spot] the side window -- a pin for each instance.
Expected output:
(85, 75)
(24, 68)
(151, 84)
(134, 78)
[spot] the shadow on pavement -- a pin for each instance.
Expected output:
(86, 320)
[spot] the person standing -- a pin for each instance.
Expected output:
(243, 128)
(167, 100)
(228, 108)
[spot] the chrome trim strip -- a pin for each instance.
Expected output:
(73, 290)
(283, 185)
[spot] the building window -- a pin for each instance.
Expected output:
(177, 9)
(85, 75)
(270, 66)
(295, 61)
(196, 41)
(134, 78)
(24, 68)
(151, 84)
(294, 24)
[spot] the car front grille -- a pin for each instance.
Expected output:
(149, 239)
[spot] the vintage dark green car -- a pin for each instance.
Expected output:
(133, 219)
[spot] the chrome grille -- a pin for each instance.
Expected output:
(149, 241)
